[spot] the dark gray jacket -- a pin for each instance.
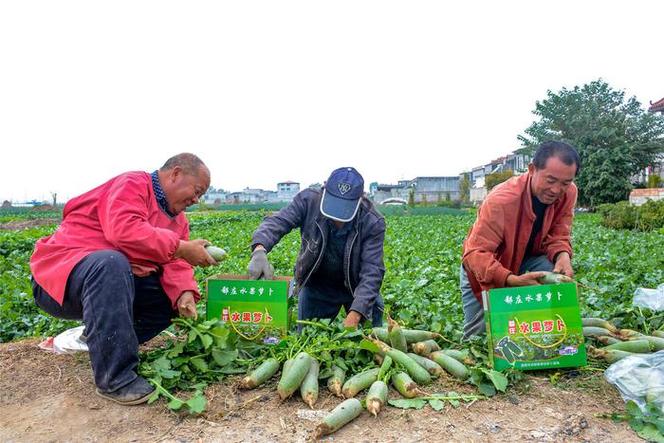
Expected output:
(363, 258)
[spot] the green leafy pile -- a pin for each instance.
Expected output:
(648, 424)
(203, 352)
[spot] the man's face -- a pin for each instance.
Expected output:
(183, 190)
(551, 182)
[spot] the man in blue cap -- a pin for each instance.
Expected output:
(341, 256)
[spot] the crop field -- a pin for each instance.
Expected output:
(421, 291)
(422, 258)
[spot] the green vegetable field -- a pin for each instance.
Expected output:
(422, 257)
(421, 292)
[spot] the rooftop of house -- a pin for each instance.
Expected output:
(658, 106)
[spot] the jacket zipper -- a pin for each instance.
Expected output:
(320, 256)
(348, 253)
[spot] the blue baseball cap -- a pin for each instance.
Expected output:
(342, 194)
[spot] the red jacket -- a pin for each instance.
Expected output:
(496, 244)
(122, 214)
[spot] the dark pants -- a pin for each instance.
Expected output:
(118, 309)
(315, 302)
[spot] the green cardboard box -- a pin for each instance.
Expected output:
(254, 308)
(534, 327)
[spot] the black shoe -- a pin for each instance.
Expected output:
(135, 393)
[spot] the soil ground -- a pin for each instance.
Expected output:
(18, 225)
(47, 397)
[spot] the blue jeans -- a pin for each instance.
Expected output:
(119, 311)
(314, 302)
(473, 311)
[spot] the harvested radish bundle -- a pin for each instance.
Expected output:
(627, 334)
(610, 355)
(293, 375)
(417, 372)
(336, 381)
(261, 374)
(461, 355)
(637, 346)
(309, 387)
(412, 335)
(396, 335)
(451, 365)
(376, 397)
(344, 413)
(599, 323)
(606, 340)
(359, 382)
(431, 366)
(596, 331)
(405, 385)
(425, 348)
(656, 343)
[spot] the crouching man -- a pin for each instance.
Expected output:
(341, 255)
(121, 261)
(522, 229)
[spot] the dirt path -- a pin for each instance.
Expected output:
(18, 225)
(46, 397)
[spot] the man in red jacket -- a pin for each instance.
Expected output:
(121, 261)
(523, 228)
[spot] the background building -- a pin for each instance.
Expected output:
(287, 190)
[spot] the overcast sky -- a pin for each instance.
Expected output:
(272, 91)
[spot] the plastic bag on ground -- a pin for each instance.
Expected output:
(639, 378)
(69, 342)
(650, 298)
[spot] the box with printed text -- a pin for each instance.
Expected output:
(534, 327)
(254, 308)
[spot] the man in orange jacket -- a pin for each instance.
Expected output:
(522, 229)
(121, 261)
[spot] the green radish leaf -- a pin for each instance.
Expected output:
(437, 405)
(205, 326)
(154, 396)
(340, 363)
(487, 389)
(633, 409)
(636, 424)
(161, 364)
(659, 422)
(197, 403)
(179, 361)
(454, 402)
(370, 346)
(222, 357)
(354, 333)
(408, 403)
(498, 379)
(176, 350)
(206, 340)
(175, 404)
(219, 334)
(650, 433)
(169, 373)
(199, 364)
